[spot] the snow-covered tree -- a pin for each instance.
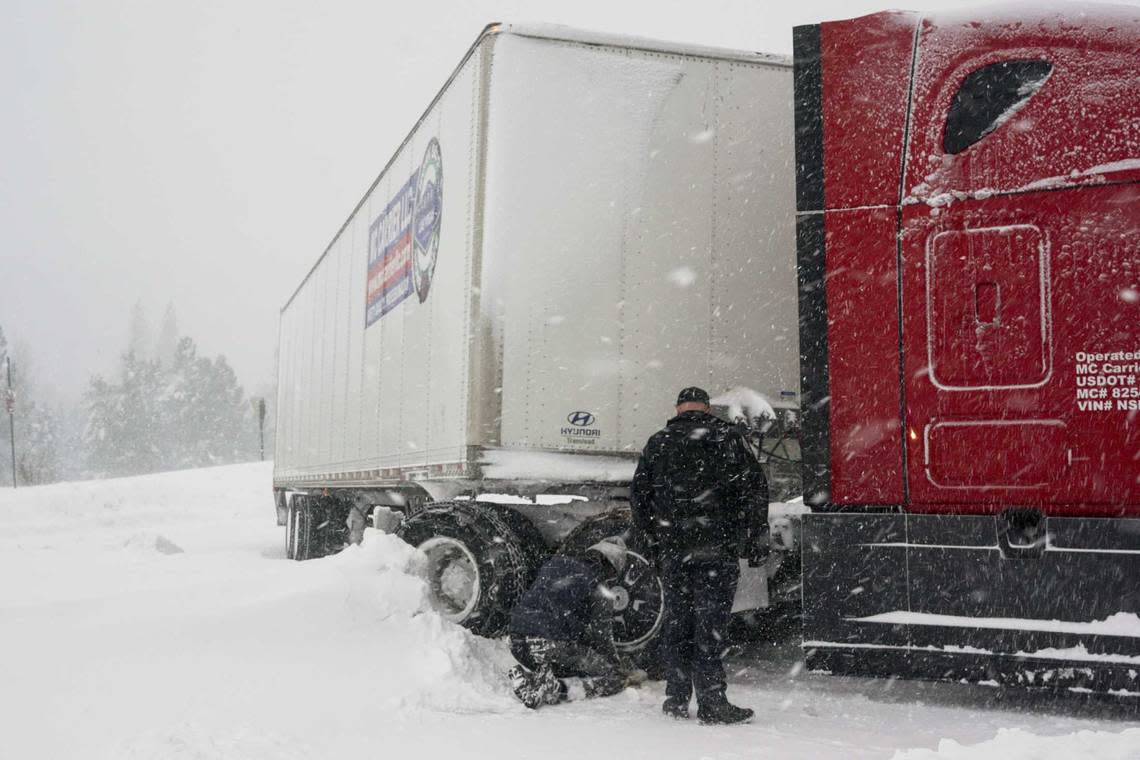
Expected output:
(140, 339)
(38, 422)
(188, 412)
(167, 340)
(125, 432)
(39, 438)
(206, 409)
(104, 429)
(142, 419)
(5, 451)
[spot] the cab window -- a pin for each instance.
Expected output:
(988, 97)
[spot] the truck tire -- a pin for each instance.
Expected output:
(318, 527)
(533, 544)
(478, 566)
(290, 527)
(303, 533)
(639, 603)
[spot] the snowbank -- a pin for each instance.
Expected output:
(157, 617)
(1016, 744)
(441, 665)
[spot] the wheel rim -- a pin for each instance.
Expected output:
(639, 604)
(453, 577)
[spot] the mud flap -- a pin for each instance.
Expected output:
(1007, 599)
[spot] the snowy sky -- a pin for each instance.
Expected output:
(203, 153)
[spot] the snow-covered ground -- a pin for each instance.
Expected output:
(156, 617)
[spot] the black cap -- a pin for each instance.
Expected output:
(693, 393)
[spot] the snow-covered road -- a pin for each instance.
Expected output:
(156, 617)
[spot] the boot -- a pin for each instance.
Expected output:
(550, 690)
(523, 685)
(723, 713)
(536, 688)
(676, 708)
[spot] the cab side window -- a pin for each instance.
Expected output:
(988, 97)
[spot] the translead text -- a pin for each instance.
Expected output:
(1107, 381)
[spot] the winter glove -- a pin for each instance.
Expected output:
(754, 549)
(636, 678)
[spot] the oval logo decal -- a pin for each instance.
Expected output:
(580, 419)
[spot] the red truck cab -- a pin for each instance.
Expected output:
(968, 234)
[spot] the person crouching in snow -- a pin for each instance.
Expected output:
(562, 631)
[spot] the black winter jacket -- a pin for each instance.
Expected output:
(698, 492)
(567, 602)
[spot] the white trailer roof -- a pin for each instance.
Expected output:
(571, 34)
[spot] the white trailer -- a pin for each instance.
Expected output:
(576, 228)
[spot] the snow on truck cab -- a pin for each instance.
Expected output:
(578, 227)
(972, 453)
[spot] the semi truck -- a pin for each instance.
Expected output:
(577, 227)
(907, 258)
(968, 239)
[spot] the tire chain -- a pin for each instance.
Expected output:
(513, 548)
(470, 515)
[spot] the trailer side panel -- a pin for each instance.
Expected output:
(639, 237)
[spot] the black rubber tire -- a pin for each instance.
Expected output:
(594, 529)
(290, 527)
(303, 533)
(533, 544)
(637, 629)
(319, 527)
(501, 558)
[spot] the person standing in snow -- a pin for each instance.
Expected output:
(562, 630)
(700, 501)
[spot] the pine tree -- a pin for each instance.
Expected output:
(38, 423)
(174, 410)
(104, 429)
(205, 410)
(182, 405)
(167, 341)
(140, 341)
(143, 436)
(38, 454)
(5, 451)
(125, 432)
(229, 418)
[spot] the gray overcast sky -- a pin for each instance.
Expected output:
(204, 153)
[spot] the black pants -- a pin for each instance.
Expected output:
(596, 673)
(698, 606)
